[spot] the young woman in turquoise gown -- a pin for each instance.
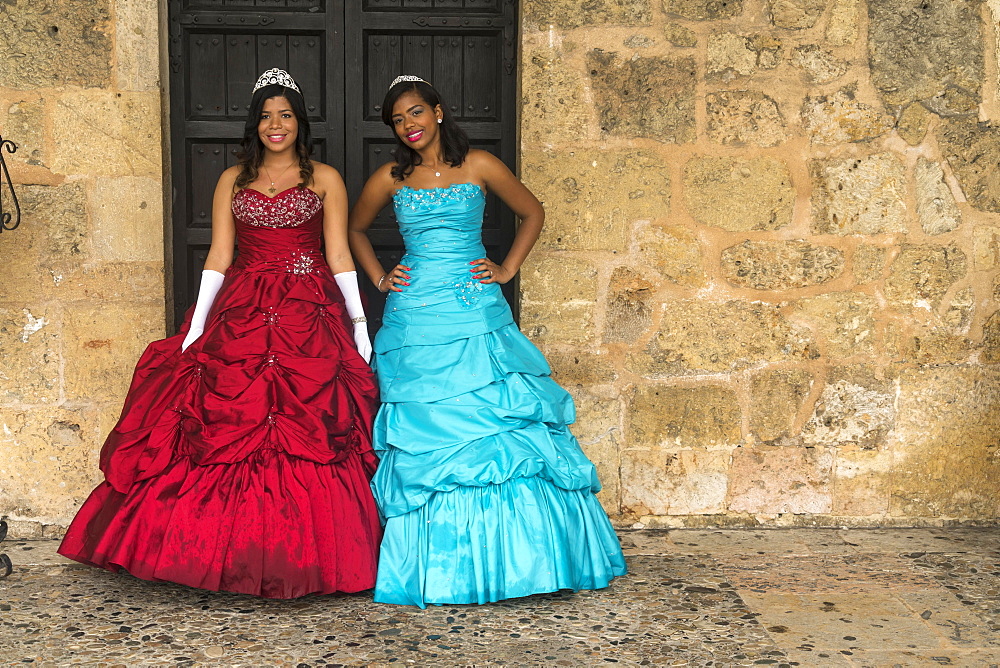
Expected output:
(485, 492)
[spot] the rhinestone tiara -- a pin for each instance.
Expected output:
(276, 76)
(407, 77)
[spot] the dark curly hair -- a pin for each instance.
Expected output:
(454, 141)
(251, 154)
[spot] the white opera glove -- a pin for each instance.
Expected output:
(211, 283)
(348, 283)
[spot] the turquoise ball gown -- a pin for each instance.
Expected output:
(486, 494)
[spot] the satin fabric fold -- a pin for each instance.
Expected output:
(243, 463)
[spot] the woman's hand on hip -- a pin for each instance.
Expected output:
(488, 271)
(400, 275)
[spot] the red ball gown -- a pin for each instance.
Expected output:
(243, 463)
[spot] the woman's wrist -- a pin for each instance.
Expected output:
(378, 285)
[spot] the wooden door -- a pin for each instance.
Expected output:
(343, 54)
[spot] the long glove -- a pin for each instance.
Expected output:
(348, 282)
(211, 282)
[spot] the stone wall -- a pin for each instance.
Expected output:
(82, 287)
(769, 273)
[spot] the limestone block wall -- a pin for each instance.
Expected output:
(82, 279)
(769, 274)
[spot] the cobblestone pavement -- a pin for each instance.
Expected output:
(786, 597)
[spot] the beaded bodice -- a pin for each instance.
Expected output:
(289, 208)
(280, 233)
(442, 230)
(438, 223)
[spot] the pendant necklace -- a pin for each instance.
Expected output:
(436, 172)
(272, 189)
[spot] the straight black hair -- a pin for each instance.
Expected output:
(251, 155)
(454, 141)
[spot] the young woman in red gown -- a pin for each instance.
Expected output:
(243, 455)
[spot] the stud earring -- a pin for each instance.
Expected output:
(439, 120)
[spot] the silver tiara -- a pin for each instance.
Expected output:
(406, 77)
(276, 76)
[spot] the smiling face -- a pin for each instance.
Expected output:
(414, 121)
(277, 128)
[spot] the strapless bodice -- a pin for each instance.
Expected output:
(442, 232)
(281, 233)
(441, 223)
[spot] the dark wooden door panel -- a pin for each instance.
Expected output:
(342, 53)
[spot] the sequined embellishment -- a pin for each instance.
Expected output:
(300, 263)
(468, 293)
(422, 198)
(290, 208)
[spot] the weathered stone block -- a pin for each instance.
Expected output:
(99, 353)
(862, 482)
(592, 199)
(818, 64)
(558, 299)
(776, 398)
(644, 97)
(52, 241)
(598, 429)
(630, 307)
(844, 321)
(840, 118)
(128, 143)
(683, 417)
(769, 480)
(684, 482)
(579, 368)
(25, 126)
(973, 151)
(121, 281)
(946, 441)
(859, 195)
(855, 407)
(731, 55)
(137, 44)
(744, 117)
(842, 28)
(704, 337)
(678, 35)
(31, 344)
(553, 98)
(55, 43)
(703, 10)
(127, 215)
(926, 344)
(921, 274)
(577, 13)
(986, 247)
(739, 194)
(960, 311)
(673, 253)
(936, 206)
(59, 447)
(991, 340)
(912, 123)
(918, 49)
(869, 263)
(780, 265)
(796, 14)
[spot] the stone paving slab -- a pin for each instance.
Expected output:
(805, 597)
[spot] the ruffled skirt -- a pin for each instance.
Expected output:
(486, 493)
